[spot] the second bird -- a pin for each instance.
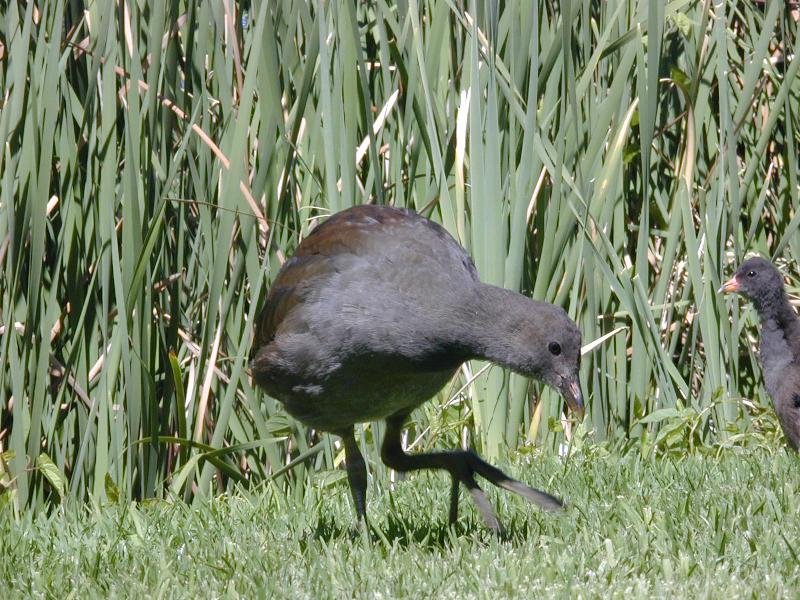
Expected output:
(374, 314)
(758, 280)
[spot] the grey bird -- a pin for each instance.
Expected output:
(779, 350)
(374, 314)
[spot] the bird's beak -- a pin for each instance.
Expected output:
(732, 285)
(571, 390)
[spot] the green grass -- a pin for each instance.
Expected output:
(699, 526)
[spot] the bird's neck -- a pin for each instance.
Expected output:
(494, 327)
(780, 336)
(775, 306)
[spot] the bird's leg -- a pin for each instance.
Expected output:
(453, 501)
(356, 474)
(395, 457)
(462, 465)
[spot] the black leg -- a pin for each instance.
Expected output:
(356, 474)
(462, 465)
(453, 516)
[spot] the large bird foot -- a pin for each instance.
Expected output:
(462, 466)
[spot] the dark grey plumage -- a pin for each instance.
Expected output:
(779, 351)
(374, 314)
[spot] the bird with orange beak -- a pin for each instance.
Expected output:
(759, 281)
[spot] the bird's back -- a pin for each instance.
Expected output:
(363, 251)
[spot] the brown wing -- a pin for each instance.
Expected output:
(290, 288)
(362, 231)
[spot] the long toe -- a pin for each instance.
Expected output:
(538, 497)
(500, 479)
(486, 510)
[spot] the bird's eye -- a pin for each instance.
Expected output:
(751, 273)
(555, 348)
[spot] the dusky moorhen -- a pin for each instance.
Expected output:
(779, 349)
(373, 315)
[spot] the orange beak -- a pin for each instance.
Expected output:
(732, 285)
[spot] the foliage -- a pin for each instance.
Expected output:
(161, 160)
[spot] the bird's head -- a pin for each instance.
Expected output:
(756, 279)
(557, 354)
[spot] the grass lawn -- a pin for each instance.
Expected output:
(724, 527)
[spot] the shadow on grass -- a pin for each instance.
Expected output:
(421, 533)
